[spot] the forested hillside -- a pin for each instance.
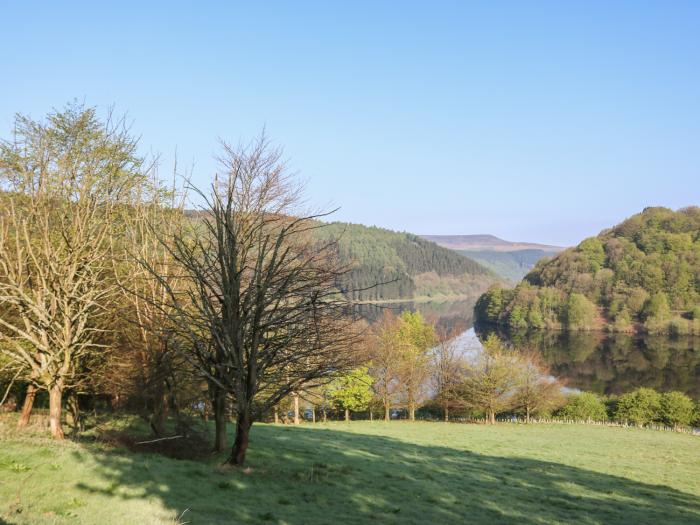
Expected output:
(410, 267)
(511, 265)
(641, 275)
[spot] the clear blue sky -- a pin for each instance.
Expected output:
(532, 121)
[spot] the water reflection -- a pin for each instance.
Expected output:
(592, 361)
(615, 363)
(454, 317)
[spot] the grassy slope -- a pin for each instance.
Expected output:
(368, 473)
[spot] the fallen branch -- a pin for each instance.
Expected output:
(154, 440)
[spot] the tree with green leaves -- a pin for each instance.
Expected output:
(415, 337)
(580, 312)
(641, 406)
(584, 406)
(677, 409)
(352, 391)
(384, 363)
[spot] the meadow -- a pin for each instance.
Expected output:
(362, 473)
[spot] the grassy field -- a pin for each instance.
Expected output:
(366, 473)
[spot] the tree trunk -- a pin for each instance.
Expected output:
(371, 416)
(277, 416)
(447, 413)
(347, 415)
(491, 417)
(27, 407)
(73, 414)
(313, 414)
(296, 408)
(412, 412)
(160, 413)
(55, 399)
(240, 445)
(387, 412)
(219, 419)
(325, 415)
(527, 414)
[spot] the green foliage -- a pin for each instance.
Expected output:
(677, 409)
(657, 308)
(641, 406)
(387, 265)
(584, 406)
(645, 270)
(580, 312)
(352, 391)
(695, 313)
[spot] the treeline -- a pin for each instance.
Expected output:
(641, 276)
(111, 296)
(412, 371)
(387, 265)
(640, 407)
(411, 368)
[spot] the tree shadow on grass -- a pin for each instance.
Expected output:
(314, 476)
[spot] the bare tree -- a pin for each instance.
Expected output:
(536, 390)
(491, 380)
(147, 329)
(64, 183)
(448, 367)
(261, 289)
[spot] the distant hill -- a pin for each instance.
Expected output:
(485, 242)
(641, 275)
(509, 260)
(511, 266)
(411, 267)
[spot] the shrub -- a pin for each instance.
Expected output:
(677, 409)
(584, 407)
(695, 313)
(641, 406)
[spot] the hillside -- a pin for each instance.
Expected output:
(641, 275)
(410, 267)
(509, 260)
(511, 265)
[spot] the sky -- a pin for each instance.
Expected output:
(534, 121)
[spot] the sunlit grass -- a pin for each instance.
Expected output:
(365, 472)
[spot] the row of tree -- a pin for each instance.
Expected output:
(642, 406)
(409, 366)
(109, 288)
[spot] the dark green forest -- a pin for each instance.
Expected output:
(642, 275)
(387, 265)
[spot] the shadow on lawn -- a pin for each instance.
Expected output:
(306, 475)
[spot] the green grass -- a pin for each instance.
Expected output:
(364, 473)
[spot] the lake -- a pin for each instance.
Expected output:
(592, 361)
